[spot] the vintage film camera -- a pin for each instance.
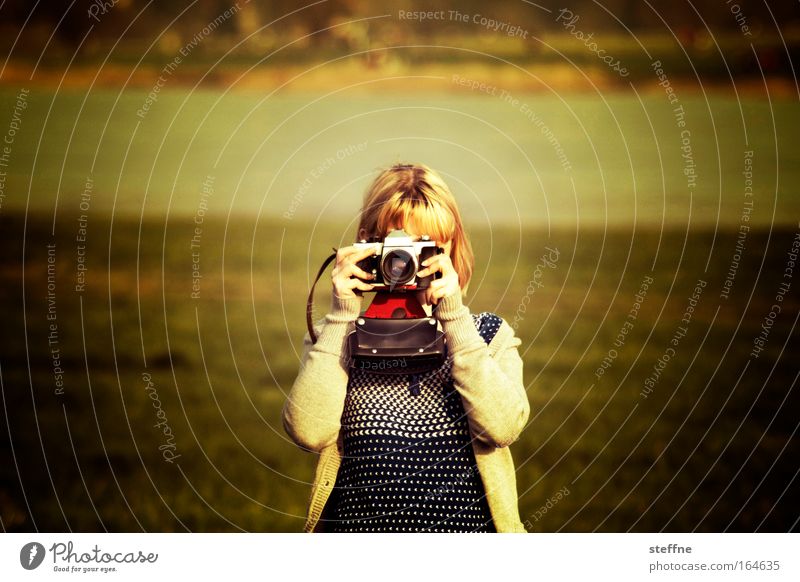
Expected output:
(395, 335)
(396, 263)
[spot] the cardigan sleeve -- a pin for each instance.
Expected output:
(312, 413)
(490, 385)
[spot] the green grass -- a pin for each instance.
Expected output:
(222, 364)
(623, 149)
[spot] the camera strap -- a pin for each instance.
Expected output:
(310, 301)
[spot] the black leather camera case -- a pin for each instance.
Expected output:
(396, 346)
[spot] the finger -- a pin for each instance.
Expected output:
(342, 277)
(344, 252)
(442, 289)
(351, 269)
(428, 296)
(445, 268)
(431, 260)
(435, 286)
(432, 265)
(440, 263)
(347, 267)
(359, 253)
(359, 284)
(428, 270)
(362, 274)
(436, 258)
(351, 252)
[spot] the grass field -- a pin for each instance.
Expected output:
(533, 159)
(91, 378)
(711, 448)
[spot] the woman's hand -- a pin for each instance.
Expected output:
(345, 274)
(448, 283)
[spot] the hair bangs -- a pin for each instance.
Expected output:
(420, 214)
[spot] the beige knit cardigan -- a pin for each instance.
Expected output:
(488, 377)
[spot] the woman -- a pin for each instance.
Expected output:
(411, 452)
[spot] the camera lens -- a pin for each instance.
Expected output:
(398, 267)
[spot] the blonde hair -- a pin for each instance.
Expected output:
(414, 194)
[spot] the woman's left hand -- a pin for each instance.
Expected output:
(444, 286)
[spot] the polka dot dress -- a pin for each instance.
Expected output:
(408, 464)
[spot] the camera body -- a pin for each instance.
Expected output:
(396, 263)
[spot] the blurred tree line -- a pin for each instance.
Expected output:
(59, 29)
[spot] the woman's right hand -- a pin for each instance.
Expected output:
(345, 274)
